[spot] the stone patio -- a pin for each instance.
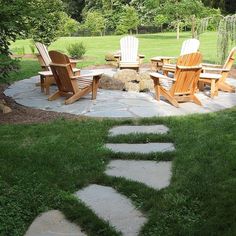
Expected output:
(116, 104)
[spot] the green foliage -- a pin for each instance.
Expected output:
(40, 19)
(160, 20)
(76, 50)
(226, 36)
(46, 20)
(186, 13)
(7, 65)
(129, 20)
(69, 26)
(32, 47)
(94, 23)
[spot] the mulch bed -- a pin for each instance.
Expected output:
(25, 115)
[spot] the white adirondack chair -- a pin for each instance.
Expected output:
(163, 63)
(129, 57)
(190, 46)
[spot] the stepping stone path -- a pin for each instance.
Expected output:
(113, 207)
(53, 223)
(129, 129)
(106, 202)
(143, 148)
(154, 174)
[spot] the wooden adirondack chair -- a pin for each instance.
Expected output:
(163, 63)
(46, 76)
(44, 58)
(74, 86)
(185, 80)
(217, 81)
(129, 57)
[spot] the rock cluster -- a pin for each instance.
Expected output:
(128, 80)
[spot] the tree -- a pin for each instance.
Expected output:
(226, 36)
(160, 20)
(94, 22)
(74, 8)
(129, 20)
(147, 10)
(184, 11)
(40, 19)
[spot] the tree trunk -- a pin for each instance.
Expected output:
(178, 26)
(193, 26)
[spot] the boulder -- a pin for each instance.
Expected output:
(146, 83)
(4, 108)
(108, 82)
(127, 75)
(130, 86)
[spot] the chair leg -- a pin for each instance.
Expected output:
(169, 97)
(213, 88)
(201, 85)
(157, 89)
(226, 87)
(54, 96)
(95, 86)
(78, 95)
(42, 81)
(196, 100)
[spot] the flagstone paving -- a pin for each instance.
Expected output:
(113, 207)
(141, 129)
(143, 148)
(154, 174)
(116, 104)
(53, 223)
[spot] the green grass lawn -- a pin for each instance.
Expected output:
(152, 45)
(42, 165)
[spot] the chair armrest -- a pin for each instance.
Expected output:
(117, 55)
(73, 60)
(188, 67)
(141, 56)
(211, 65)
(86, 75)
(160, 76)
(215, 69)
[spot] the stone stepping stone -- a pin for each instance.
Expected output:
(142, 129)
(154, 174)
(144, 148)
(53, 223)
(113, 207)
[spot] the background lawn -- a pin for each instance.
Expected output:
(151, 45)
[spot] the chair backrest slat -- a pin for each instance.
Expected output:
(186, 79)
(230, 59)
(190, 46)
(62, 71)
(44, 53)
(129, 49)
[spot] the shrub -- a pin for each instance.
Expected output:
(76, 50)
(32, 48)
(7, 65)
